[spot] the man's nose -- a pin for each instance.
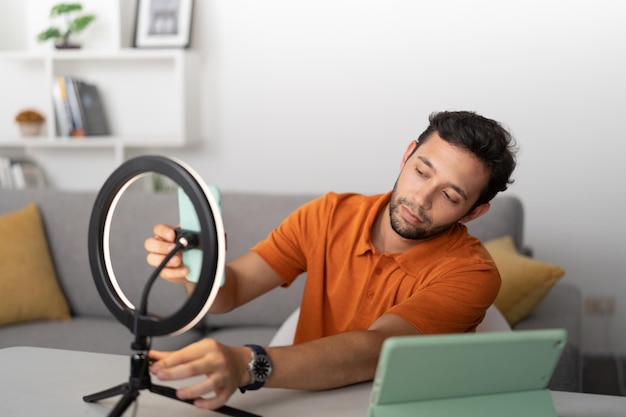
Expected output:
(423, 197)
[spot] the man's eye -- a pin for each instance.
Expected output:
(420, 173)
(450, 198)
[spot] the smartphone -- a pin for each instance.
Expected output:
(192, 258)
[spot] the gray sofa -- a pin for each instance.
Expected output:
(248, 217)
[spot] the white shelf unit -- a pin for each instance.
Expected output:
(145, 93)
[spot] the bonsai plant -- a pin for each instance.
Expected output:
(30, 122)
(73, 24)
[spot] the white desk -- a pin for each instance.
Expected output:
(49, 382)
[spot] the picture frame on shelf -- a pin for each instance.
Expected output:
(163, 24)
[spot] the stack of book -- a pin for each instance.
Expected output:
(79, 108)
(20, 173)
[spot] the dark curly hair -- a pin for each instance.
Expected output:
(485, 138)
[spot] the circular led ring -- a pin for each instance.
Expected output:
(211, 240)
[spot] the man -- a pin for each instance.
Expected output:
(401, 263)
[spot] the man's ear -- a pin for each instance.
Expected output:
(407, 154)
(475, 213)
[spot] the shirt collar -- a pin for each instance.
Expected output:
(365, 240)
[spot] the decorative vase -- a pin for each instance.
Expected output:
(30, 129)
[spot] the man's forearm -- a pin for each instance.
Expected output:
(326, 363)
(247, 277)
(225, 300)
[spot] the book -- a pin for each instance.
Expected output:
(79, 108)
(73, 99)
(92, 110)
(5, 173)
(20, 173)
(61, 107)
(26, 173)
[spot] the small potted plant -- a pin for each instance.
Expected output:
(30, 121)
(73, 24)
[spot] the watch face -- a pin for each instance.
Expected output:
(262, 368)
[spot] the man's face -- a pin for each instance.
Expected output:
(436, 188)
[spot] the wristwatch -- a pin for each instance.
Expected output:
(259, 367)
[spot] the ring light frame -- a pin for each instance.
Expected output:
(211, 241)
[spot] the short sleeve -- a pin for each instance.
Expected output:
(452, 303)
(285, 249)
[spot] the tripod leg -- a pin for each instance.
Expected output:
(167, 392)
(124, 402)
(171, 393)
(108, 393)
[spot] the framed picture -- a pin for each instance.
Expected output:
(163, 24)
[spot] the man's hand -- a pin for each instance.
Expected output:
(158, 247)
(224, 367)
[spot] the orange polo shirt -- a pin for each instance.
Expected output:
(442, 285)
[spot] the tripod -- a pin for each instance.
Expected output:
(140, 380)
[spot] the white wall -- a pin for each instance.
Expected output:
(323, 95)
(317, 95)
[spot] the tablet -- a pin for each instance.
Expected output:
(472, 374)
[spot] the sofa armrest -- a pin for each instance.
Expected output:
(561, 308)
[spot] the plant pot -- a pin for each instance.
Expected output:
(30, 129)
(67, 46)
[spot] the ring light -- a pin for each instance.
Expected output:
(211, 239)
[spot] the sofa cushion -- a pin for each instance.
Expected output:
(65, 216)
(88, 334)
(525, 281)
(241, 335)
(287, 331)
(494, 321)
(29, 289)
(504, 218)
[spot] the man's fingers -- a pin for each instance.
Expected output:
(211, 403)
(164, 232)
(192, 360)
(157, 355)
(209, 394)
(205, 389)
(155, 259)
(206, 357)
(157, 245)
(185, 370)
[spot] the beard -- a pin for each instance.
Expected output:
(408, 230)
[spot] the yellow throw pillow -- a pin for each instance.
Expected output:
(29, 289)
(525, 281)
